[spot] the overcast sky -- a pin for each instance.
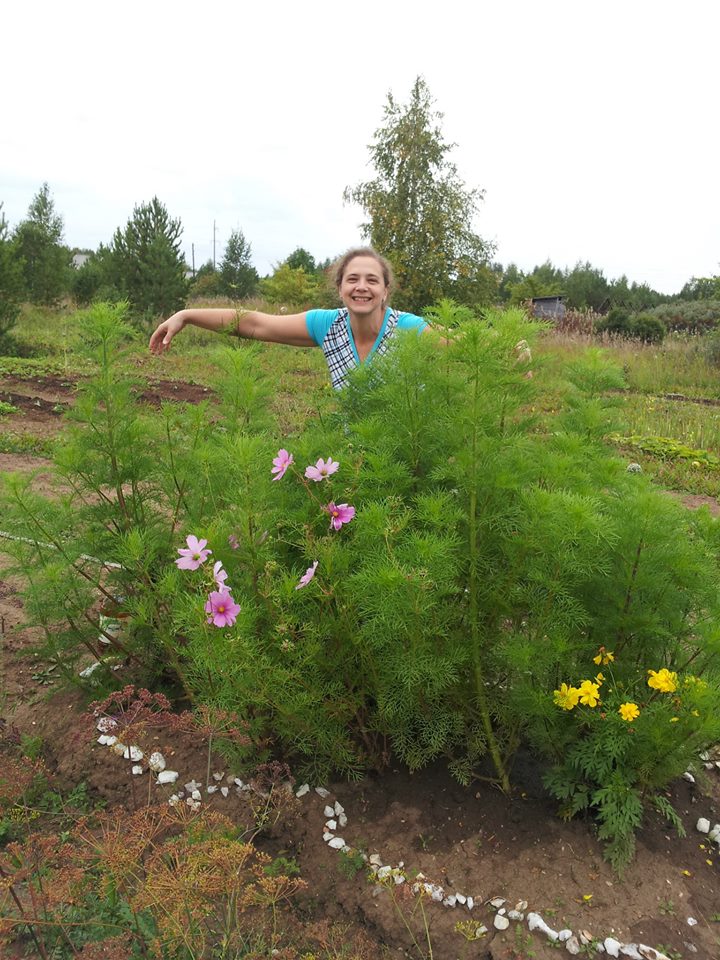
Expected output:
(592, 127)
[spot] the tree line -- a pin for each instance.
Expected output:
(419, 213)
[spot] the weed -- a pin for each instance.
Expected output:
(351, 863)
(6, 409)
(667, 908)
(283, 866)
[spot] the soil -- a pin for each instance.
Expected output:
(472, 840)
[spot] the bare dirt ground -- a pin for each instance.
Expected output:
(473, 840)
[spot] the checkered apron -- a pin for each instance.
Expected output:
(338, 349)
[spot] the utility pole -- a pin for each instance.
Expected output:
(214, 233)
(192, 247)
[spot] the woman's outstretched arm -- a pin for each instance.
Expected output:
(250, 324)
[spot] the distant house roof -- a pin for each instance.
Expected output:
(549, 306)
(80, 259)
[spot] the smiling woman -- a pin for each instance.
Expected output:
(349, 336)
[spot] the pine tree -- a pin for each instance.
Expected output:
(420, 212)
(238, 277)
(10, 281)
(148, 263)
(38, 245)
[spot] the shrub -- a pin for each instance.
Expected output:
(617, 322)
(648, 328)
(693, 316)
(461, 562)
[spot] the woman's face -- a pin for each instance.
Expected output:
(363, 289)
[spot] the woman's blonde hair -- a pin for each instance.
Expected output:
(340, 265)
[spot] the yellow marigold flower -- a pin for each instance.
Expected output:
(589, 693)
(663, 680)
(566, 697)
(599, 678)
(674, 719)
(603, 657)
(629, 711)
(695, 713)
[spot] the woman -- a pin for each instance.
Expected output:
(349, 336)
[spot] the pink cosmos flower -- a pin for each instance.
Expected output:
(220, 576)
(195, 554)
(307, 576)
(233, 541)
(321, 470)
(222, 609)
(280, 464)
(339, 514)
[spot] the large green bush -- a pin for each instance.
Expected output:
(495, 565)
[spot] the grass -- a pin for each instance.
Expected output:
(696, 425)
(676, 366)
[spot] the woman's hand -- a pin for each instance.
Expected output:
(162, 337)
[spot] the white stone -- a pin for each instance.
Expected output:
(384, 872)
(168, 776)
(328, 812)
(104, 739)
(704, 755)
(469, 903)
(192, 785)
(536, 922)
(322, 792)
(709, 766)
(650, 953)
(218, 775)
(106, 724)
(212, 788)
(238, 782)
(714, 834)
(376, 859)
(89, 671)
(305, 788)
(572, 945)
(692, 922)
(450, 901)
(502, 911)
(342, 820)
(460, 897)
(327, 836)
(500, 922)
(399, 878)
(690, 779)
(133, 753)
(224, 791)
(339, 808)
(196, 795)
(481, 930)
(337, 843)
(157, 762)
(703, 825)
(516, 914)
(331, 825)
(137, 769)
(111, 741)
(346, 849)
(498, 902)
(521, 905)
(612, 946)
(438, 894)
(119, 748)
(631, 950)
(174, 799)
(564, 935)
(585, 937)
